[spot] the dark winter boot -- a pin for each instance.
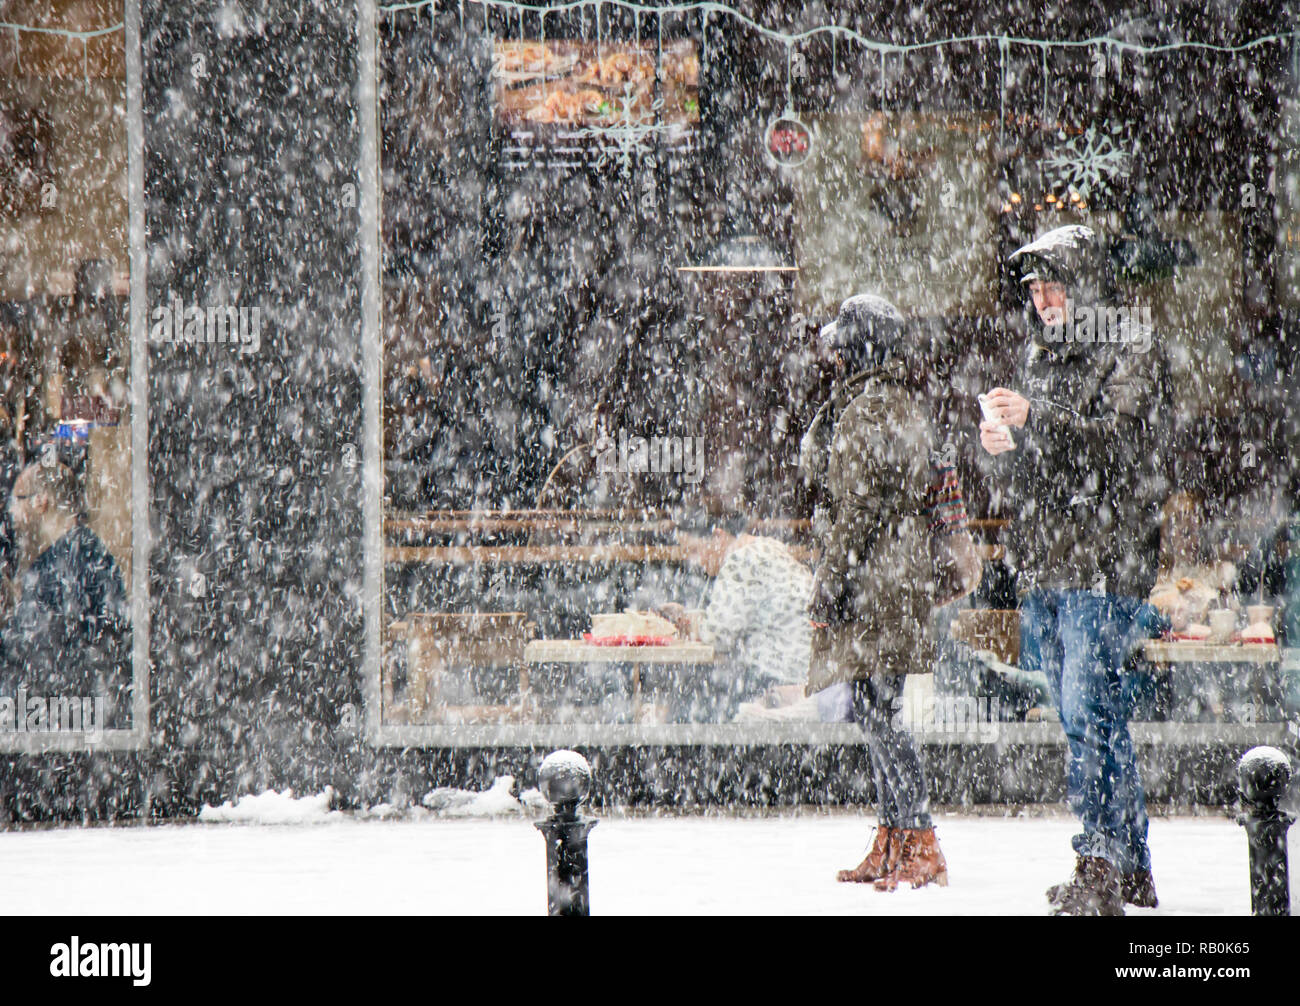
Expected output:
(1093, 890)
(884, 851)
(1139, 889)
(920, 861)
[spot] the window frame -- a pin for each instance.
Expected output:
(137, 737)
(804, 733)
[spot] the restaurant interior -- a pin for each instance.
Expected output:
(635, 227)
(64, 282)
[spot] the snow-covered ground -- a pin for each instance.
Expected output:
(330, 862)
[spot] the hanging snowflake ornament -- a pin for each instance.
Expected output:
(1089, 161)
(630, 134)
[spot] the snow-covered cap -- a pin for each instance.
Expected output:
(1039, 270)
(1051, 252)
(1071, 237)
(1071, 255)
(867, 327)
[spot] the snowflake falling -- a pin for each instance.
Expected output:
(1087, 161)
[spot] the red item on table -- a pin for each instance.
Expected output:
(587, 637)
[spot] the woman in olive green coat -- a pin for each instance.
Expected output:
(868, 457)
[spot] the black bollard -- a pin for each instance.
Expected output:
(565, 779)
(1264, 773)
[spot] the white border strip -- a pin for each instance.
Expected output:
(1168, 734)
(371, 366)
(140, 539)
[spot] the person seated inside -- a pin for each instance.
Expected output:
(69, 633)
(19, 406)
(756, 618)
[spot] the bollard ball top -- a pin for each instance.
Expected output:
(1264, 773)
(565, 777)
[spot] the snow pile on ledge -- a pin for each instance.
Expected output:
(447, 801)
(274, 807)
(282, 807)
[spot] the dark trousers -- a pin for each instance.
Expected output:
(902, 789)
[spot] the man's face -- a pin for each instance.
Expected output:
(1049, 301)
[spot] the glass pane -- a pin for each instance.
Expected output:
(611, 244)
(65, 420)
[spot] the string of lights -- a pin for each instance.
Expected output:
(836, 31)
(708, 7)
(83, 36)
(80, 36)
(1105, 47)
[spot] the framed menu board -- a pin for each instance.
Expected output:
(566, 101)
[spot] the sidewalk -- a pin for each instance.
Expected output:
(639, 865)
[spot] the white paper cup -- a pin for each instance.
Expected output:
(1259, 613)
(1223, 621)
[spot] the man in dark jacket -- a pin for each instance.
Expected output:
(70, 634)
(1084, 470)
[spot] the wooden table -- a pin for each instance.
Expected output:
(1160, 651)
(577, 651)
(1253, 658)
(543, 555)
(465, 555)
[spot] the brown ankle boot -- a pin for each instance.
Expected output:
(920, 861)
(883, 851)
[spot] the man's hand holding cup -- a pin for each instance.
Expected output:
(1002, 409)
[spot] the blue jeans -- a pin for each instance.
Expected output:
(1081, 641)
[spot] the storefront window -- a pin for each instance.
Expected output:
(607, 243)
(67, 538)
